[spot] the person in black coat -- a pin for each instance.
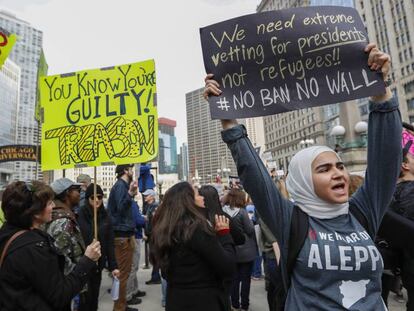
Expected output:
(234, 206)
(31, 268)
(105, 236)
(194, 256)
(213, 208)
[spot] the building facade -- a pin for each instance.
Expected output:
(183, 165)
(25, 53)
(208, 156)
(287, 133)
(9, 100)
(391, 25)
(167, 157)
(255, 131)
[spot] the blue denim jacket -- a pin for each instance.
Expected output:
(372, 199)
(120, 209)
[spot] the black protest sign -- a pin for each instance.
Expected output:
(279, 61)
(18, 153)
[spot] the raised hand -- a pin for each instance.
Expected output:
(378, 60)
(222, 223)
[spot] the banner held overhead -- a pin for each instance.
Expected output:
(278, 61)
(98, 117)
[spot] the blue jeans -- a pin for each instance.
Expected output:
(257, 267)
(240, 294)
(163, 291)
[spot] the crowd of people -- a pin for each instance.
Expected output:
(326, 240)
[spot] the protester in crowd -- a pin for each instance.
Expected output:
(105, 236)
(400, 259)
(164, 286)
(84, 180)
(281, 187)
(152, 205)
(273, 174)
(120, 209)
(246, 253)
(213, 207)
(31, 268)
(64, 227)
(270, 253)
(257, 264)
(330, 269)
(355, 181)
(194, 256)
(133, 292)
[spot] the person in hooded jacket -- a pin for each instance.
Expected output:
(31, 267)
(246, 253)
(105, 236)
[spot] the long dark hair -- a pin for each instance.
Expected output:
(23, 200)
(175, 221)
(211, 201)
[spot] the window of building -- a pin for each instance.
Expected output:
(410, 105)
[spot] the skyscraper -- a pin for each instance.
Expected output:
(167, 157)
(207, 154)
(25, 54)
(183, 165)
(9, 99)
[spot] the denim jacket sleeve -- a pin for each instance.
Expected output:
(384, 161)
(274, 210)
(122, 197)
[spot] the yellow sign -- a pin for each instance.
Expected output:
(7, 41)
(99, 117)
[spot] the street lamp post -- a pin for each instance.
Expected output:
(359, 141)
(307, 142)
(160, 182)
(226, 172)
(352, 145)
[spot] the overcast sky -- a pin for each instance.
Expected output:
(85, 34)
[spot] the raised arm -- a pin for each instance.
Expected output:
(384, 149)
(271, 206)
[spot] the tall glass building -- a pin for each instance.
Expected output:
(168, 157)
(25, 54)
(208, 155)
(9, 99)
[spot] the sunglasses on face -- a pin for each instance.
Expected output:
(99, 197)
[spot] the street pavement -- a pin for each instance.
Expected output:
(152, 301)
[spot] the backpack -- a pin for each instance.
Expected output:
(299, 227)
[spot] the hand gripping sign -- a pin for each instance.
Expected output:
(98, 117)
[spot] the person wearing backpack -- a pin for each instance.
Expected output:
(245, 253)
(328, 258)
(398, 258)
